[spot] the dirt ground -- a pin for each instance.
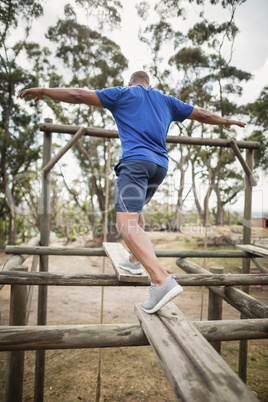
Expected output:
(127, 374)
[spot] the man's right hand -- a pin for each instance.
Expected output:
(37, 92)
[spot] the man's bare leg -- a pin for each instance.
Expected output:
(141, 222)
(140, 245)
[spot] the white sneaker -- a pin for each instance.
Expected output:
(134, 268)
(161, 295)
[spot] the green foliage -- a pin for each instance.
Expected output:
(164, 8)
(105, 11)
(258, 117)
(91, 59)
(260, 154)
(190, 58)
(18, 141)
(12, 12)
(224, 3)
(259, 108)
(204, 31)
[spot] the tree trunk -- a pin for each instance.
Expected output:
(197, 203)
(219, 218)
(96, 190)
(12, 235)
(178, 219)
(12, 230)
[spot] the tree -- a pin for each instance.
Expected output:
(156, 36)
(258, 113)
(19, 149)
(205, 77)
(224, 79)
(91, 60)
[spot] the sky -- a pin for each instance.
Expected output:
(250, 51)
(251, 46)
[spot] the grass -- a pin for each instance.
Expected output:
(257, 364)
(128, 374)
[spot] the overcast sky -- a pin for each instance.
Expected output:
(250, 52)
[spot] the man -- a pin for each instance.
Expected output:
(143, 116)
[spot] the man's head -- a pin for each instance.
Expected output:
(140, 78)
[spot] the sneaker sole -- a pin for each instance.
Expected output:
(167, 298)
(134, 272)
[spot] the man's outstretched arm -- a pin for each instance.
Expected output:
(207, 117)
(68, 95)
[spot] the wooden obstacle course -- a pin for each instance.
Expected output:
(117, 253)
(194, 369)
(57, 334)
(44, 250)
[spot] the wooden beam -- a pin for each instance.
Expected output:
(230, 330)
(243, 302)
(258, 265)
(42, 250)
(101, 133)
(117, 253)
(80, 132)
(17, 338)
(61, 279)
(244, 164)
(18, 260)
(194, 369)
(253, 250)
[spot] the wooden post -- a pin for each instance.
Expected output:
(44, 241)
(215, 306)
(243, 347)
(15, 360)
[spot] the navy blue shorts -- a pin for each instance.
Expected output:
(137, 181)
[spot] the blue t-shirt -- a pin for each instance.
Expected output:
(143, 117)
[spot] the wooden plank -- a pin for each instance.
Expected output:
(249, 248)
(117, 253)
(194, 369)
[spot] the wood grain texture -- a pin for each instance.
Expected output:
(194, 369)
(249, 248)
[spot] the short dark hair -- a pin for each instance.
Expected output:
(140, 76)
